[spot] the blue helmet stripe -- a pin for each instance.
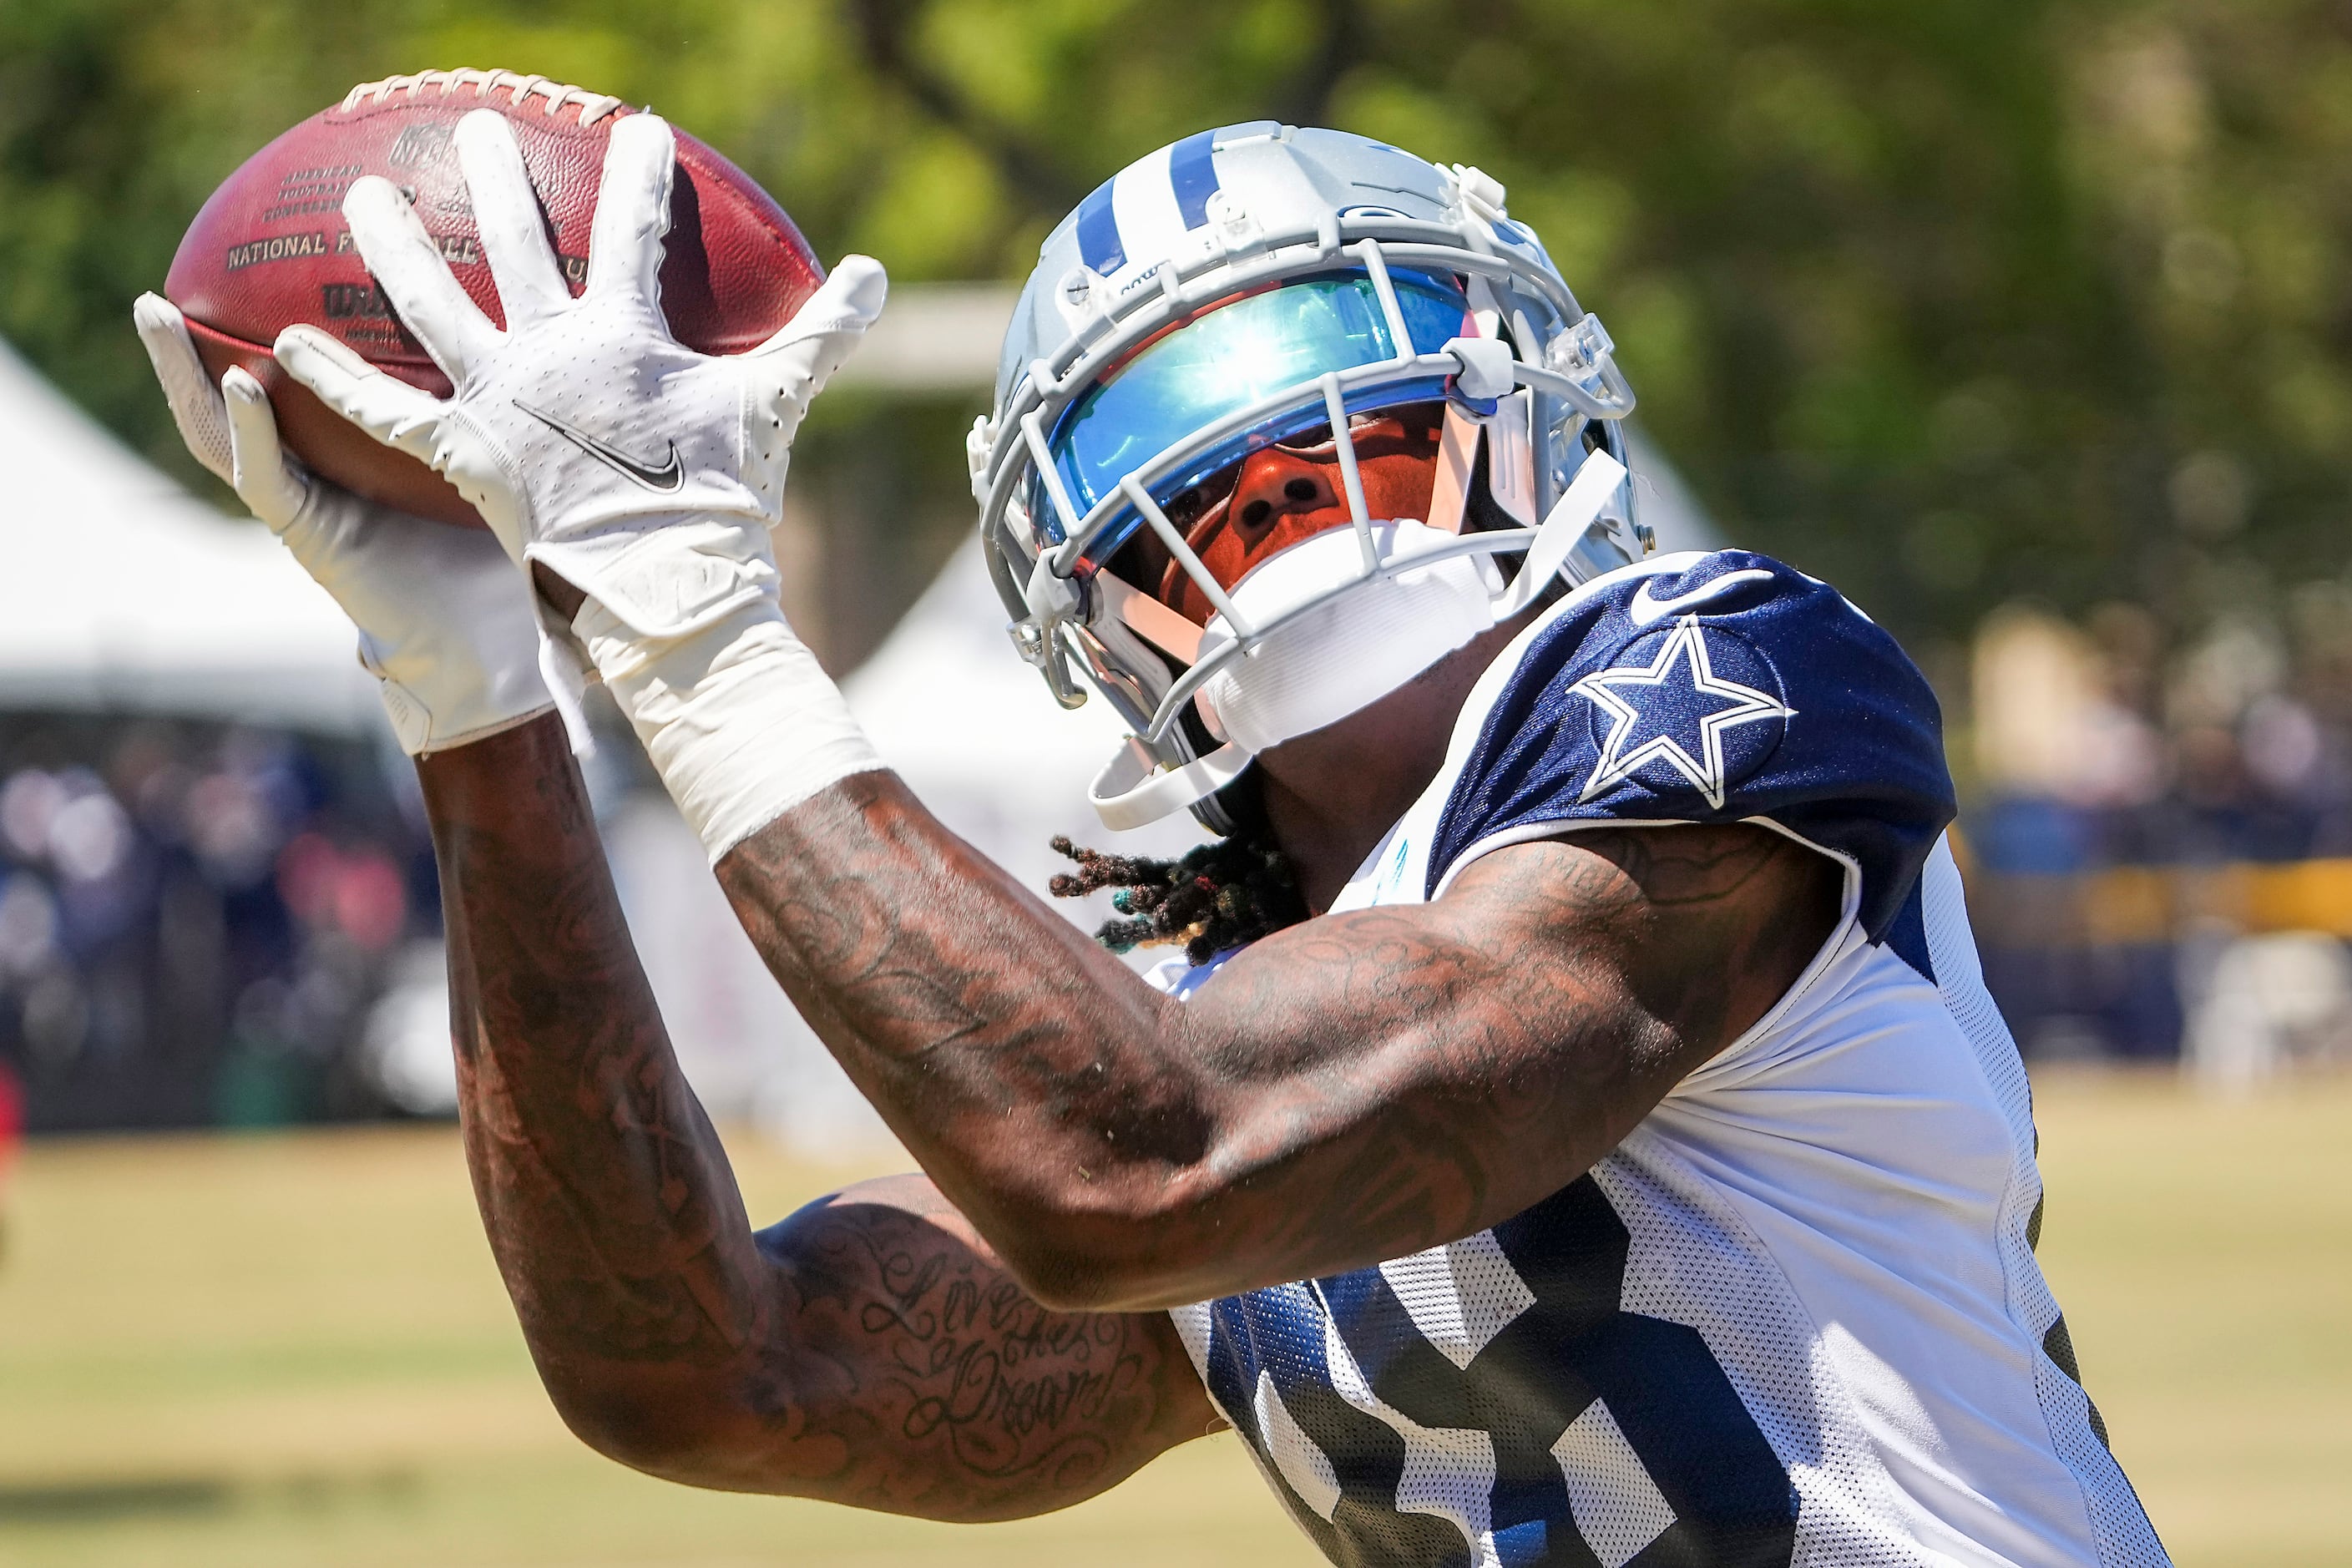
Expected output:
(1099, 242)
(1192, 170)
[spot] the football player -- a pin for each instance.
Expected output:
(1576, 1131)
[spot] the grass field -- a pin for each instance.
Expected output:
(294, 1350)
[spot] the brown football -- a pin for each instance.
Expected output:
(270, 248)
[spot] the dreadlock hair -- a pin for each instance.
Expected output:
(1221, 895)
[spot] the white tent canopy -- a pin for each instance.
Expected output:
(974, 733)
(118, 591)
(973, 730)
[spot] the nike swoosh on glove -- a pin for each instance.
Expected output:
(641, 471)
(443, 626)
(644, 474)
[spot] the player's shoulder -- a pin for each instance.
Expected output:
(1705, 687)
(1761, 602)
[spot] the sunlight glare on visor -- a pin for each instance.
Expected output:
(1232, 357)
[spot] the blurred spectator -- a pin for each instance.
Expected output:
(2272, 1003)
(194, 920)
(2157, 843)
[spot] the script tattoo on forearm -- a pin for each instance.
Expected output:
(1353, 1088)
(937, 1346)
(869, 1349)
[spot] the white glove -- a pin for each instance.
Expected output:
(643, 473)
(443, 626)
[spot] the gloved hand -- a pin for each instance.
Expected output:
(442, 622)
(640, 471)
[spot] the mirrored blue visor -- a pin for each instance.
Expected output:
(1237, 354)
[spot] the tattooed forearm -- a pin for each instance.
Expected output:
(870, 1350)
(952, 1392)
(571, 1102)
(1348, 1090)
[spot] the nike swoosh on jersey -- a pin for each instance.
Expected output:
(668, 478)
(1648, 610)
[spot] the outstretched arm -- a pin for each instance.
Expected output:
(1350, 1089)
(868, 1350)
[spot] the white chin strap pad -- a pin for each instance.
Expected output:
(1333, 658)
(1330, 659)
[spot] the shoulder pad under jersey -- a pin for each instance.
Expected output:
(1713, 688)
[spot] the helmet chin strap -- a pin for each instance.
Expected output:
(1596, 480)
(1337, 640)
(1132, 791)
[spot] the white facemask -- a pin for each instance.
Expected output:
(1349, 651)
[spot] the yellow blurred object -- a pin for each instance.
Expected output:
(2305, 895)
(2129, 905)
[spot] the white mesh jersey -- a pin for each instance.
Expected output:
(1795, 1317)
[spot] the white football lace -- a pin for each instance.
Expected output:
(594, 105)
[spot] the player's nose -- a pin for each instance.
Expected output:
(1276, 482)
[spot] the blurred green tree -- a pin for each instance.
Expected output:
(1946, 302)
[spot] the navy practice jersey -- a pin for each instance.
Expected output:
(1795, 1317)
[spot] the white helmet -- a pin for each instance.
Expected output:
(1229, 292)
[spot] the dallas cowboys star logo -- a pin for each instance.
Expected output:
(1681, 687)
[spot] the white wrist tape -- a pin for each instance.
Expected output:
(739, 719)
